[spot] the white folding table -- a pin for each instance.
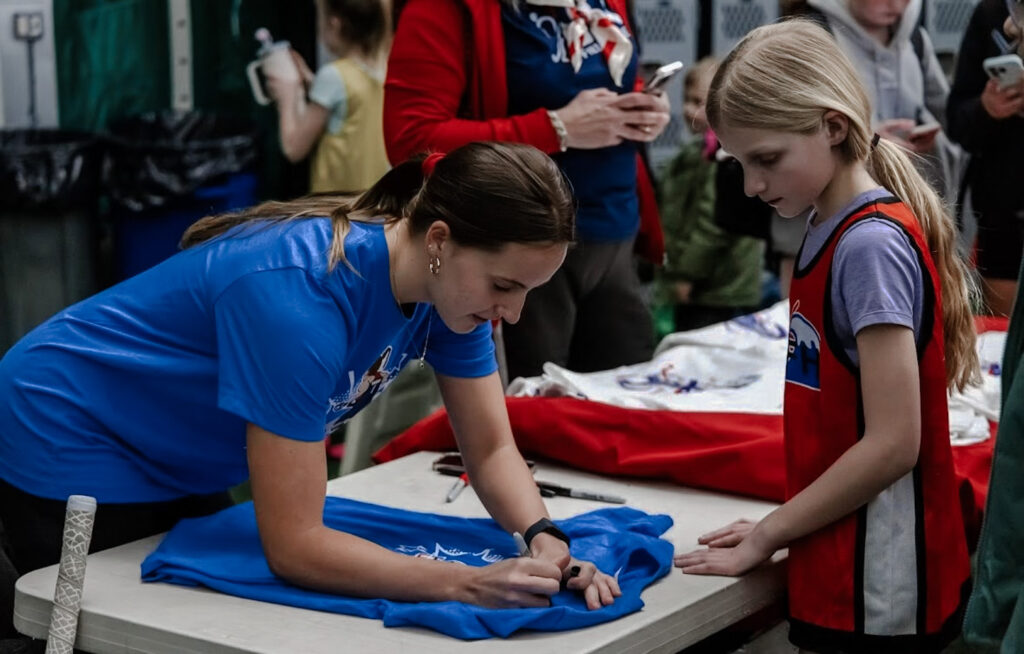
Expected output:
(122, 614)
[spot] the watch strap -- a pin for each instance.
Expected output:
(544, 525)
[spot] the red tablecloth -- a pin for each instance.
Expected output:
(732, 452)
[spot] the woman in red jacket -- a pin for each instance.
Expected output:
(559, 75)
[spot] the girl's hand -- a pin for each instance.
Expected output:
(733, 550)
(1002, 103)
(649, 112)
(728, 536)
(282, 90)
(304, 72)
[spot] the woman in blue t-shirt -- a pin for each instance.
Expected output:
(230, 360)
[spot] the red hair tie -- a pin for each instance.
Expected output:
(430, 163)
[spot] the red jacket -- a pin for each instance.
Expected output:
(446, 87)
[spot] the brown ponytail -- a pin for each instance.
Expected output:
(488, 193)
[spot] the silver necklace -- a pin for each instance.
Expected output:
(426, 339)
(394, 292)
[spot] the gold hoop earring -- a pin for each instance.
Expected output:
(434, 264)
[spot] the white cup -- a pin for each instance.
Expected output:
(276, 61)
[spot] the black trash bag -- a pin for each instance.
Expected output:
(49, 169)
(156, 158)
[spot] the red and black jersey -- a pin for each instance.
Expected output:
(891, 576)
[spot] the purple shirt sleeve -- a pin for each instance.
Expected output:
(877, 279)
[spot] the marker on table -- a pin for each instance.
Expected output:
(524, 549)
(565, 491)
(457, 487)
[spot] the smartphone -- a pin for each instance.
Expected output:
(450, 463)
(661, 76)
(1005, 69)
(923, 131)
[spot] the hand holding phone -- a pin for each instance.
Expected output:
(1006, 70)
(922, 131)
(662, 76)
(921, 138)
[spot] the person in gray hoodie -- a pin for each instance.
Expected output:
(907, 89)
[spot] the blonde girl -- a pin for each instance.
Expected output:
(880, 328)
(339, 120)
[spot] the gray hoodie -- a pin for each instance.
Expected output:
(899, 84)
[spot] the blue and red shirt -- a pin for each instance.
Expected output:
(890, 576)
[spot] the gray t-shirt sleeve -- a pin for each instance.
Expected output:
(877, 279)
(328, 90)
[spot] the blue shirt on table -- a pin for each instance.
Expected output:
(142, 392)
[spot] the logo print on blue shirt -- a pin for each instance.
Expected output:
(451, 554)
(803, 360)
(373, 382)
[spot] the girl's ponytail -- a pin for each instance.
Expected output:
(893, 169)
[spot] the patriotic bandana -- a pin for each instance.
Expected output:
(615, 45)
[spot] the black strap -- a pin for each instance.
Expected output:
(544, 525)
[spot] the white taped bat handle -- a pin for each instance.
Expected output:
(67, 596)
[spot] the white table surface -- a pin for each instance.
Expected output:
(122, 614)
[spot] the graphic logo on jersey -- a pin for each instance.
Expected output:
(667, 378)
(760, 323)
(451, 554)
(373, 382)
(803, 360)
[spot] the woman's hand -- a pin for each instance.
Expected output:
(732, 551)
(599, 118)
(1003, 103)
(598, 588)
(513, 583)
(648, 113)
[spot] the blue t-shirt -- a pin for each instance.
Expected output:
(143, 392)
(223, 552)
(540, 75)
(877, 276)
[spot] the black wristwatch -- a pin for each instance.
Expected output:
(545, 525)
